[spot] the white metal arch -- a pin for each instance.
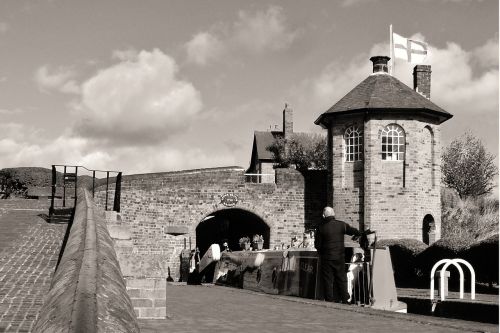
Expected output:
(455, 262)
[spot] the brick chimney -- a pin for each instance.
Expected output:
(287, 121)
(380, 64)
(422, 80)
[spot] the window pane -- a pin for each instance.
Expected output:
(384, 156)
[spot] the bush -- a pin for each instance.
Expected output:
(445, 248)
(471, 219)
(483, 256)
(403, 257)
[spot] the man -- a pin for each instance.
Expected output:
(329, 242)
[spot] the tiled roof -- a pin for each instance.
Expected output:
(383, 92)
(262, 141)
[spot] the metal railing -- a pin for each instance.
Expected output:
(358, 283)
(259, 178)
(70, 182)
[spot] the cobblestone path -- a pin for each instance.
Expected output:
(223, 309)
(29, 248)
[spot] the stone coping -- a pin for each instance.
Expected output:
(88, 292)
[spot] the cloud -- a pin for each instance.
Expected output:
(4, 27)
(350, 3)
(253, 32)
(127, 54)
(11, 111)
(59, 79)
(137, 101)
(22, 145)
(263, 30)
(469, 93)
(487, 54)
(204, 47)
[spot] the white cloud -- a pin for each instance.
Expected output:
(21, 145)
(254, 32)
(487, 54)
(59, 79)
(137, 101)
(204, 47)
(263, 30)
(471, 95)
(127, 54)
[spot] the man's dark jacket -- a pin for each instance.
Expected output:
(329, 239)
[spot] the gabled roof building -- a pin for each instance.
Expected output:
(262, 162)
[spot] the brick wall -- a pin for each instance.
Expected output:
(372, 191)
(154, 204)
(391, 209)
(347, 177)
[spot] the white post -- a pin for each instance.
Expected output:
(460, 271)
(472, 277)
(433, 271)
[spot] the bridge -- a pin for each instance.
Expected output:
(92, 288)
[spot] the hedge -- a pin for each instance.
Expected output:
(403, 257)
(445, 248)
(483, 256)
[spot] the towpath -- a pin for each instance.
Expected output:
(223, 309)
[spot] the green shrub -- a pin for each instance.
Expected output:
(403, 257)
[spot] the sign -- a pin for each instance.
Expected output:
(229, 200)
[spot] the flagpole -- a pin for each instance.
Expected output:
(391, 51)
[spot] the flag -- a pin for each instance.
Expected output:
(411, 50)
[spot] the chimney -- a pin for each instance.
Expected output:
(380, 64)
(287, 121)
(422, 80)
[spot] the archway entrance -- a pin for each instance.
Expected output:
(230, 225)
(428, 229)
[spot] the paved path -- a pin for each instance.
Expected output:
(224, 309)
(29, 248)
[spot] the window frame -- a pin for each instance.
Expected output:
(353, 144)
(393, 143)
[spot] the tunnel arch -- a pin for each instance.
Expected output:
(230, 224)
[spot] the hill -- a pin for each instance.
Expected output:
(23, 179)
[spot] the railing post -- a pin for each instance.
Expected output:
(76, 183)
(54, 181)
(118, 190)
(64, 187)
(93, 183)
(107, 187)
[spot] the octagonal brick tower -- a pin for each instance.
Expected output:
(384, 155)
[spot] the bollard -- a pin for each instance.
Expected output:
(446, 278)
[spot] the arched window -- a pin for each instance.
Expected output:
(353, 137)
(393, 143)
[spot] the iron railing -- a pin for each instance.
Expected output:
(70, 178)
(358, 283)
(269, 178)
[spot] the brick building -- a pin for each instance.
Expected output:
(261, 168)
(384, 155)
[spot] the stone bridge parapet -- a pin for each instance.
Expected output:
(88, 292)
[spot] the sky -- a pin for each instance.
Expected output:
(151, 86)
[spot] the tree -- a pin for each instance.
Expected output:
(468, 167)
(302, 151)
